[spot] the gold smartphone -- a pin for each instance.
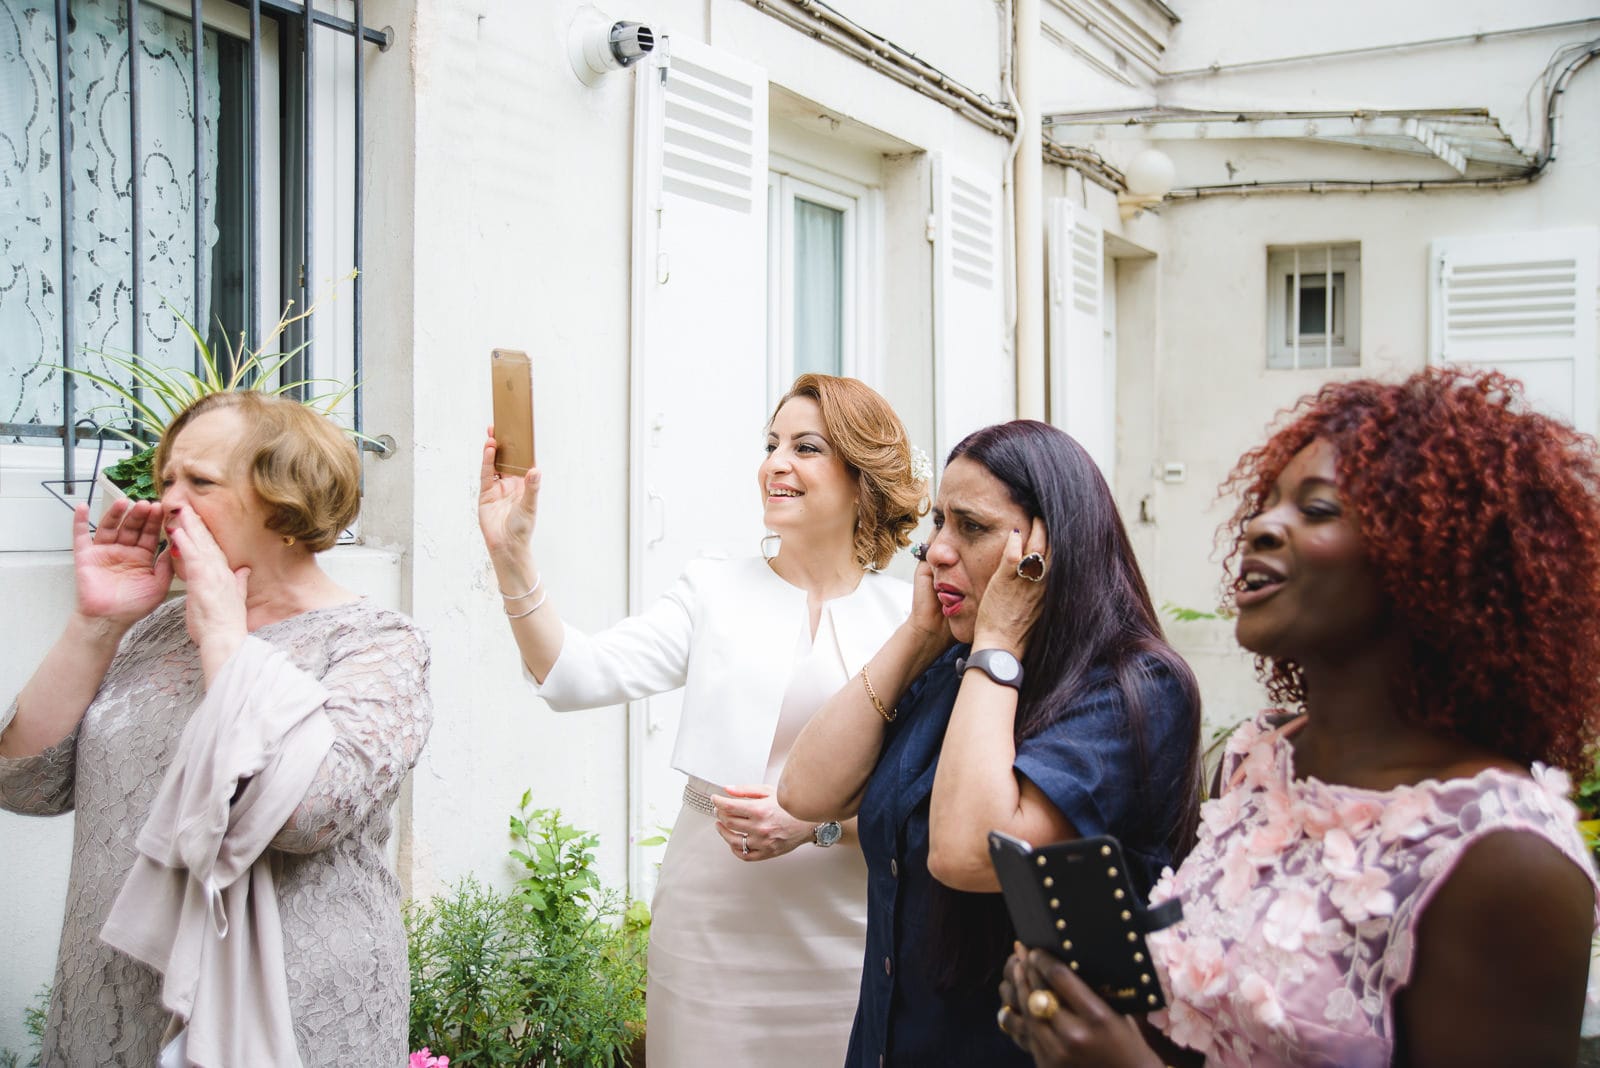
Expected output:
(512, 377)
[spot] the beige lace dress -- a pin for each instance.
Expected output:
(344, 945)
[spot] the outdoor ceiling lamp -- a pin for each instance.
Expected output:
(597, 44)
(1150, 176)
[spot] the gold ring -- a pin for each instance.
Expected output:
(1042, 1005)
(1002, 1017)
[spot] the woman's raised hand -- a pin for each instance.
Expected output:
(215, 611)
(122, 576)
(927, 616)
(1012, 603)
(507, 505)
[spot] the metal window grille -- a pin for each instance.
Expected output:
(297, 41)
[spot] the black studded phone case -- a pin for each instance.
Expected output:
(1075, 899)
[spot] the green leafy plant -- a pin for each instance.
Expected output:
(1586, 795)
(549, 974)
(152, 395)
(1188, 615)
(33, 1021)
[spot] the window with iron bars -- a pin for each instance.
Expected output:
(213, 179)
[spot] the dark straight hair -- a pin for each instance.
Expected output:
(1097, 614)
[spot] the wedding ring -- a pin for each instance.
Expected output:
(1031, 567)
(1042, 1005)
(744, 843)
(1003, 1017)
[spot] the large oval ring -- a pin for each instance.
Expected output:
(920, 550)
(1042, 1004)
(1031, 567)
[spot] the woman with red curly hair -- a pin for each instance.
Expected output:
(1391, 875)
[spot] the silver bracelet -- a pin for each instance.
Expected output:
(538, 605)
(519, 596)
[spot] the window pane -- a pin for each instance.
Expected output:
(818, 288)
(1313, 305)
(102, 251)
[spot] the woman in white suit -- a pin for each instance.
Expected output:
(750, 963)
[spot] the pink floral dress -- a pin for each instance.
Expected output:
(1301, 900)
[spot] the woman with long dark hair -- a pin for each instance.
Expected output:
(1030, 691)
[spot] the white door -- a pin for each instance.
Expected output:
(1523, 304)
(699, 369)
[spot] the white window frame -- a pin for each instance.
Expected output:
(1285, 348)
(789, 180)
(31, 519)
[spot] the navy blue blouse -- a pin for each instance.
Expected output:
(1084, 763)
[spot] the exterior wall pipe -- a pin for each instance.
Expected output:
(1028, 191)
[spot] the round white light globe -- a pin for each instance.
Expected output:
(1151, 173)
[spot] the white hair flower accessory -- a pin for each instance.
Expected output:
(921, 466)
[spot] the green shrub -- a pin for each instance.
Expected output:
(550, 974)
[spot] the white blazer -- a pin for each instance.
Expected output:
(726, 631)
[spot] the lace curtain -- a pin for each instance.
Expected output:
(102, 250)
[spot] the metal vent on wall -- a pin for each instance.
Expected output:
(972, 233)
(707, 138)
(1508, 301)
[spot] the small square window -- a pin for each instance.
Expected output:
(1314, 306)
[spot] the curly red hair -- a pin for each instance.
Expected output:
(1482, 521)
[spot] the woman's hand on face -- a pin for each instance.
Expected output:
(1011, 604)
(121, 574)
(927, 615)
(507, 505)
(215, 607)
(1053, 1014)
(753, 825)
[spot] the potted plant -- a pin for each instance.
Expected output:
(152, 396)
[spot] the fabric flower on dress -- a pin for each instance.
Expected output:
(1198, 968)
(1362, 896)
(1552, 781)
(1290, 917)
(1238, 876)
(1407, 816)
(1262, 1000)
(1189, 1028)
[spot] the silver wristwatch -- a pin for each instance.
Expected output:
(998, 664)
(826, 834)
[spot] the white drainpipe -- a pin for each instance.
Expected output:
(1028, 194)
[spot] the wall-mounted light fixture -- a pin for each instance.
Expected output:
(598, 44)
(1150, 176)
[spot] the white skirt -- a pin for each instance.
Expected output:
(753, 963)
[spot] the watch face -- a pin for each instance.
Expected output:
(828, 833)
(1002, 665)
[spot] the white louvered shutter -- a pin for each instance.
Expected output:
(1524, 304)
(1083, 381)
(975, 380)
(699, 368)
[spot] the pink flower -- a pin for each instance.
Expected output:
(1552, 781)
(1339, 854)
(1219, 813)
(1165, 886)
(1363, 896)
(1290, 918)
(1263, 1001)
(424, 1058)
(1189, 1028)
(1238, 876)
(1406, 816)
(1356, 814)
(1197, 969)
